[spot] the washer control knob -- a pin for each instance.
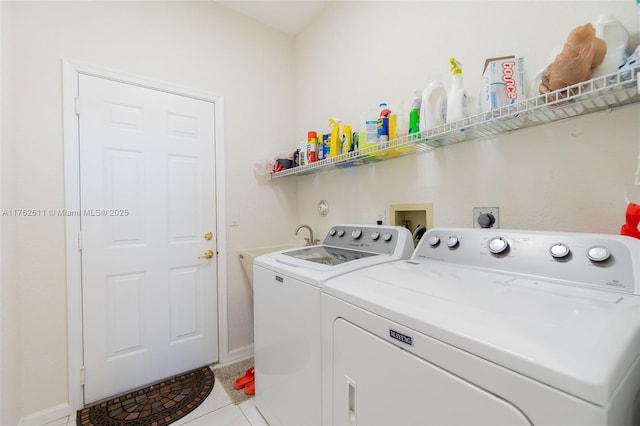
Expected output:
(332, 232)
(452, 241)
(433, 240)
(559, 250)
(356, 233)
(341, 233)
(498, 245)
(386, 237)
(375, 236)
(598, 253)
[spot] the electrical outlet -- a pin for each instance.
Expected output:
(381, 216)
(486, 217)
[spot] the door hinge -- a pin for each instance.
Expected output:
(79, 241)
(82, 375)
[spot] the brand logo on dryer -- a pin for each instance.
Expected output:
(401, 337)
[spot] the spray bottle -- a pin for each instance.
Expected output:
(457, 97)
(414, 114)
(312, 144)
(335, 142)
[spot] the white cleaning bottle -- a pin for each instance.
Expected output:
(616, 36)
(433, 109)
(457, 97)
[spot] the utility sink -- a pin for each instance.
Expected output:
(247, 256)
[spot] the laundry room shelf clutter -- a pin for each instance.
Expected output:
(602, 93)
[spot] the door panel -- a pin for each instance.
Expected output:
(147, 187)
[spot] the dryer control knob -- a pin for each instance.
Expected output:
(356, 233)
(332, 232)
(341, 233)
(559, 250)
(375, 236)
(498, 245)
(386, 237)
(598, 253)
(433, 240)
(452, 241)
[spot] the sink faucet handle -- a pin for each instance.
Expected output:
(308, 242)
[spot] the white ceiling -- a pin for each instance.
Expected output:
(290, 16)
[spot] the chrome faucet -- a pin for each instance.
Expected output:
(310, 241)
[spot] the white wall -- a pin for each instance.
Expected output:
(9, 320)
(197, 45)
(570, 175)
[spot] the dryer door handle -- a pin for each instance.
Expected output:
(351, 405)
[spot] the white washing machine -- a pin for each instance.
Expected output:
(287, 335)
(487, 327)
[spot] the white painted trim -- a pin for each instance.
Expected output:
(72, 229)
(48, 415)
(70, 73)
(221, 226)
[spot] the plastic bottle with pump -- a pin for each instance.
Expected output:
(433, 108)
(457, 97)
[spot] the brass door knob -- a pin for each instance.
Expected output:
(208, 236)
(207, 255)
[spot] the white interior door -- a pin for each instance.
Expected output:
(147, 188)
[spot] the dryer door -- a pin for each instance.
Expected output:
(377, 383)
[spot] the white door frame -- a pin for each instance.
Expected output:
(70, 72)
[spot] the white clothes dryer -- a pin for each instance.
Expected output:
(487, 327)
(287, 337)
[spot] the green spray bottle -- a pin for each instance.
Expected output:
(414, 114)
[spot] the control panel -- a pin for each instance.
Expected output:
(606, 261)
(392, 240)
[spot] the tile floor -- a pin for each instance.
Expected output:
(217, 410)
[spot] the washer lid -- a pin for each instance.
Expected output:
(327, 255)
(580, 340)
(315, 272)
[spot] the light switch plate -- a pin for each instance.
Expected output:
(235, 219)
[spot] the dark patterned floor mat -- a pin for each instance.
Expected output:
(155, 405)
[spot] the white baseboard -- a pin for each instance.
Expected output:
(47, 416)
(239, 354)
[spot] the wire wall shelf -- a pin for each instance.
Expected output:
(606, 92)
